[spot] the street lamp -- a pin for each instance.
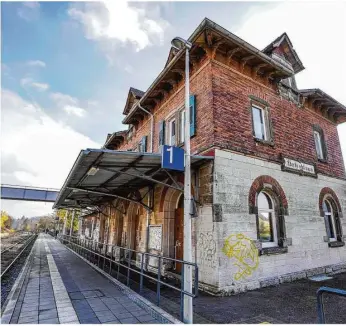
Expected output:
(179, 44)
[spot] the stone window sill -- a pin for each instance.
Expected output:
(273, 251)
(264, 142)
(322, 160)
(335, 244)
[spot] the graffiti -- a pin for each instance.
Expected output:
(155, 237)
(207, 249)
(241, 248)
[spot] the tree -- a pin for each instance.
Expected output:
(46, 222)
(4, 218)
(61, 213)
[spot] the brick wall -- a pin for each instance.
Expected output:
(292, 126)
(200, 85)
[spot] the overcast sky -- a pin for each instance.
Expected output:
(67, 67)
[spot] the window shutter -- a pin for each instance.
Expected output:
(162, 132)
(192, 115)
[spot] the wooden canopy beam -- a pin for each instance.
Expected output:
(258, 67)
(230, 54)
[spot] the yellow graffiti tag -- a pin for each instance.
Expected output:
(241, 248)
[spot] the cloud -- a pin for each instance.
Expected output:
(31, 83)
(63, 99)
(73, 110)
(36, 150)
(36, 63)
(116, 23)
(29, 10)
(31, 4)
(70, 104)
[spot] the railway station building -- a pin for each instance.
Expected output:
(268, 178)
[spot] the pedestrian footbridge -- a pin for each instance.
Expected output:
(12, 192)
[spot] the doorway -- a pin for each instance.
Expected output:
(179, 233)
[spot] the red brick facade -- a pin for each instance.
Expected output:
(224, 120)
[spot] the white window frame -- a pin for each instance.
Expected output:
(170, 136)
(182, 116)
(318, 145)
(264, 119)
(332, 218)
(271, 213)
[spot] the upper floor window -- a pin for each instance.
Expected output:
(318, 145)
(182, 126)
(260, 123)
(172, 132)
(321, 149)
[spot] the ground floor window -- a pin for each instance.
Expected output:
(267, 229)
(332, 224)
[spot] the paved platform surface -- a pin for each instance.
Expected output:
(288, 303)
(61, 288)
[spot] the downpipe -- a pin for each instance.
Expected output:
(151, 126)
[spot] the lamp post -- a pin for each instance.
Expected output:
(179, 44)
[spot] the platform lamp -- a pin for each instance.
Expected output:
(179, 43)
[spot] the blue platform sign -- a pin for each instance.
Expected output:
(173, 158)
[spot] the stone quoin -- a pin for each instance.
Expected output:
(269, 206)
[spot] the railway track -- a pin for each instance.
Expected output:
(13, 254)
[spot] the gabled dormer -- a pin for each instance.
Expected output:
(282, 51)
(133, 96)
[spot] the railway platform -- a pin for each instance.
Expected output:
(56, 286)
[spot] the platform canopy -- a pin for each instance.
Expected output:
(98, 175)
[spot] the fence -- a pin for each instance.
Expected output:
(320, 307)
(103, 254)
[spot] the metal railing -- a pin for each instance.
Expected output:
(320, 306)
(99, 253)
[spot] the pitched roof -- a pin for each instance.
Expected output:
(136, 92)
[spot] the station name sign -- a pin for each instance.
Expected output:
(290, 165)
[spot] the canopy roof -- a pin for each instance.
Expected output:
(98, 175)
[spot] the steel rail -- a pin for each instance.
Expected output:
(17, 243)
(26, 244)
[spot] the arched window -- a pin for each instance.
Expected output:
(267, 221)
(331, 220)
